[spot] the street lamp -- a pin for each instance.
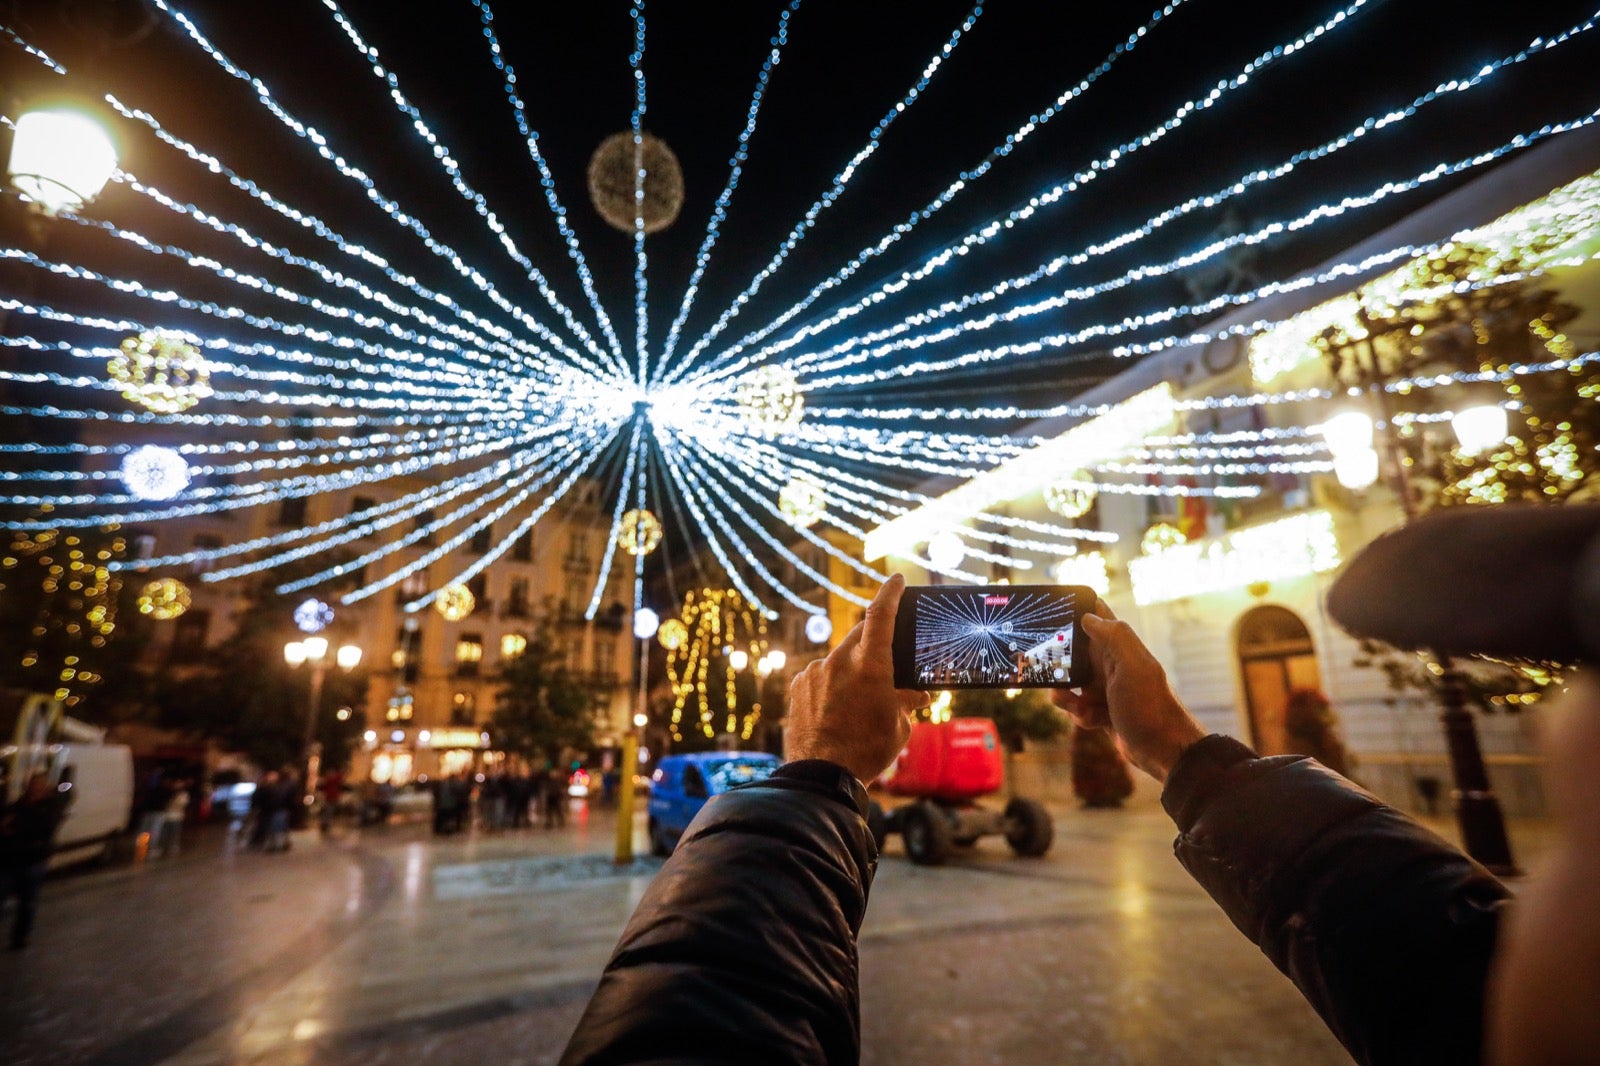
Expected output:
(1350, 438)
(313, 652)
(645, 624)
(60, 159)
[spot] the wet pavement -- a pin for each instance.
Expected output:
(390, 946)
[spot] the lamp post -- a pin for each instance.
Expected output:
(313, 652)
(1356, 464)
(645, 624)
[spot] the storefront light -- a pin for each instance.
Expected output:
(1479, 428)
(1291, 547)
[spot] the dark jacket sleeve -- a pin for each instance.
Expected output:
(743, 948)
(1385, 928)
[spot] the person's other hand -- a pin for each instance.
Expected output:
(1546, 974)
(845, 708)
(1129, 694)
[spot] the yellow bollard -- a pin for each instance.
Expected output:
(630, 765)
(141, 848)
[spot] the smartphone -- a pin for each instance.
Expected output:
(991, 636)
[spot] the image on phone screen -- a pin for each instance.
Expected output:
(993, 636)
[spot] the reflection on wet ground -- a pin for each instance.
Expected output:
(389, 945)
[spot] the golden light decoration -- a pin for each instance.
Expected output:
(803, 502)
(455, 602)
(770, 400)
(161, 371)
(672, 634)
(639, 532)
(1069, 499)
(1161, 536)
(613, 180)
(164, 599)
(718, 627)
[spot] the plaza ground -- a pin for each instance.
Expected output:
(389, 945)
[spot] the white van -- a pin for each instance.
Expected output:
(98, 777)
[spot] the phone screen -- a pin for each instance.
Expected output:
(991, 636)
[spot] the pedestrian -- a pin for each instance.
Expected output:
(153, 797)
(171, 835)
(263, 802)
(519, 792)
(750, 928)
(555, 798)
(27, 836)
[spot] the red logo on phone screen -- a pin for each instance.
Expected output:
(996, 601)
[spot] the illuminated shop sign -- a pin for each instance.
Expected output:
(1290, 547)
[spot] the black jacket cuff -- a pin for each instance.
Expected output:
(1194, 776)
(823, 778)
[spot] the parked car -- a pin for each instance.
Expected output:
(682, 784)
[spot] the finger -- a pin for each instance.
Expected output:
(1103, 609)
(1065, 699)
(877, 629)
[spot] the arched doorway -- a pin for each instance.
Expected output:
(1276, 657)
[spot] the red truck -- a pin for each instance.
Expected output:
(945, 767)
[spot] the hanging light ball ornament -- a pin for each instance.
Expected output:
(614, 178)
(639, 533)
(161, 371)
(802, 502)
(672, 634)
(769, 399)
(154, 473)
(455, 602)
(164, 599)
(946, 550)
(312, 616)
(1069, 499)
(819, 628)
(1161, 536)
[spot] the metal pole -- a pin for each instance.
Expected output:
(307, 750)
(1478, 814)
(630, 766)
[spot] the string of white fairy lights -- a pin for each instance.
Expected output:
(564, 438)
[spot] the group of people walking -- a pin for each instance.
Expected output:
(503, 800)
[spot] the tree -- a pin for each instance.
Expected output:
(543, 708)
(1028, 715)
(1100, 775)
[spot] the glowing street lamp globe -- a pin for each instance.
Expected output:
(1478, 429)
(645, 623)
(60, 159)
(819, 629)
(154, 473)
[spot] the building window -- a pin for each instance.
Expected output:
(483, 539)
(423, 521)
(206, 542)
(463, 709)
(362, 503)
(414, 584)
(578, 552)
(189, 635)
(513, 645)
(407, 656)
(522, 550)
(605, 655)
(479, 587)
(292, 511)
(143, 543)
(469, 653)
(517, 599)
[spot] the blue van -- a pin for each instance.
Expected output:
(682, 784)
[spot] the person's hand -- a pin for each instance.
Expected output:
(1129, 695)
(845, 708)
(1546, 970)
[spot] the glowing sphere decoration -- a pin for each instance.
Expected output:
(165, 598)
(1069, 499)
(312, 616)
(161, 371)
(645, 623)
(946, 550)
(803, 502)
(770, 400)
(639, 533)
(819, 629)
(455, 602)
(672, 634)
(1161, 536)
(154, 473)
(613, 180)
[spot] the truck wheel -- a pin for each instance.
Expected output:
(660, 846)
(877, 824)
(1029, 829)
(926, 833)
